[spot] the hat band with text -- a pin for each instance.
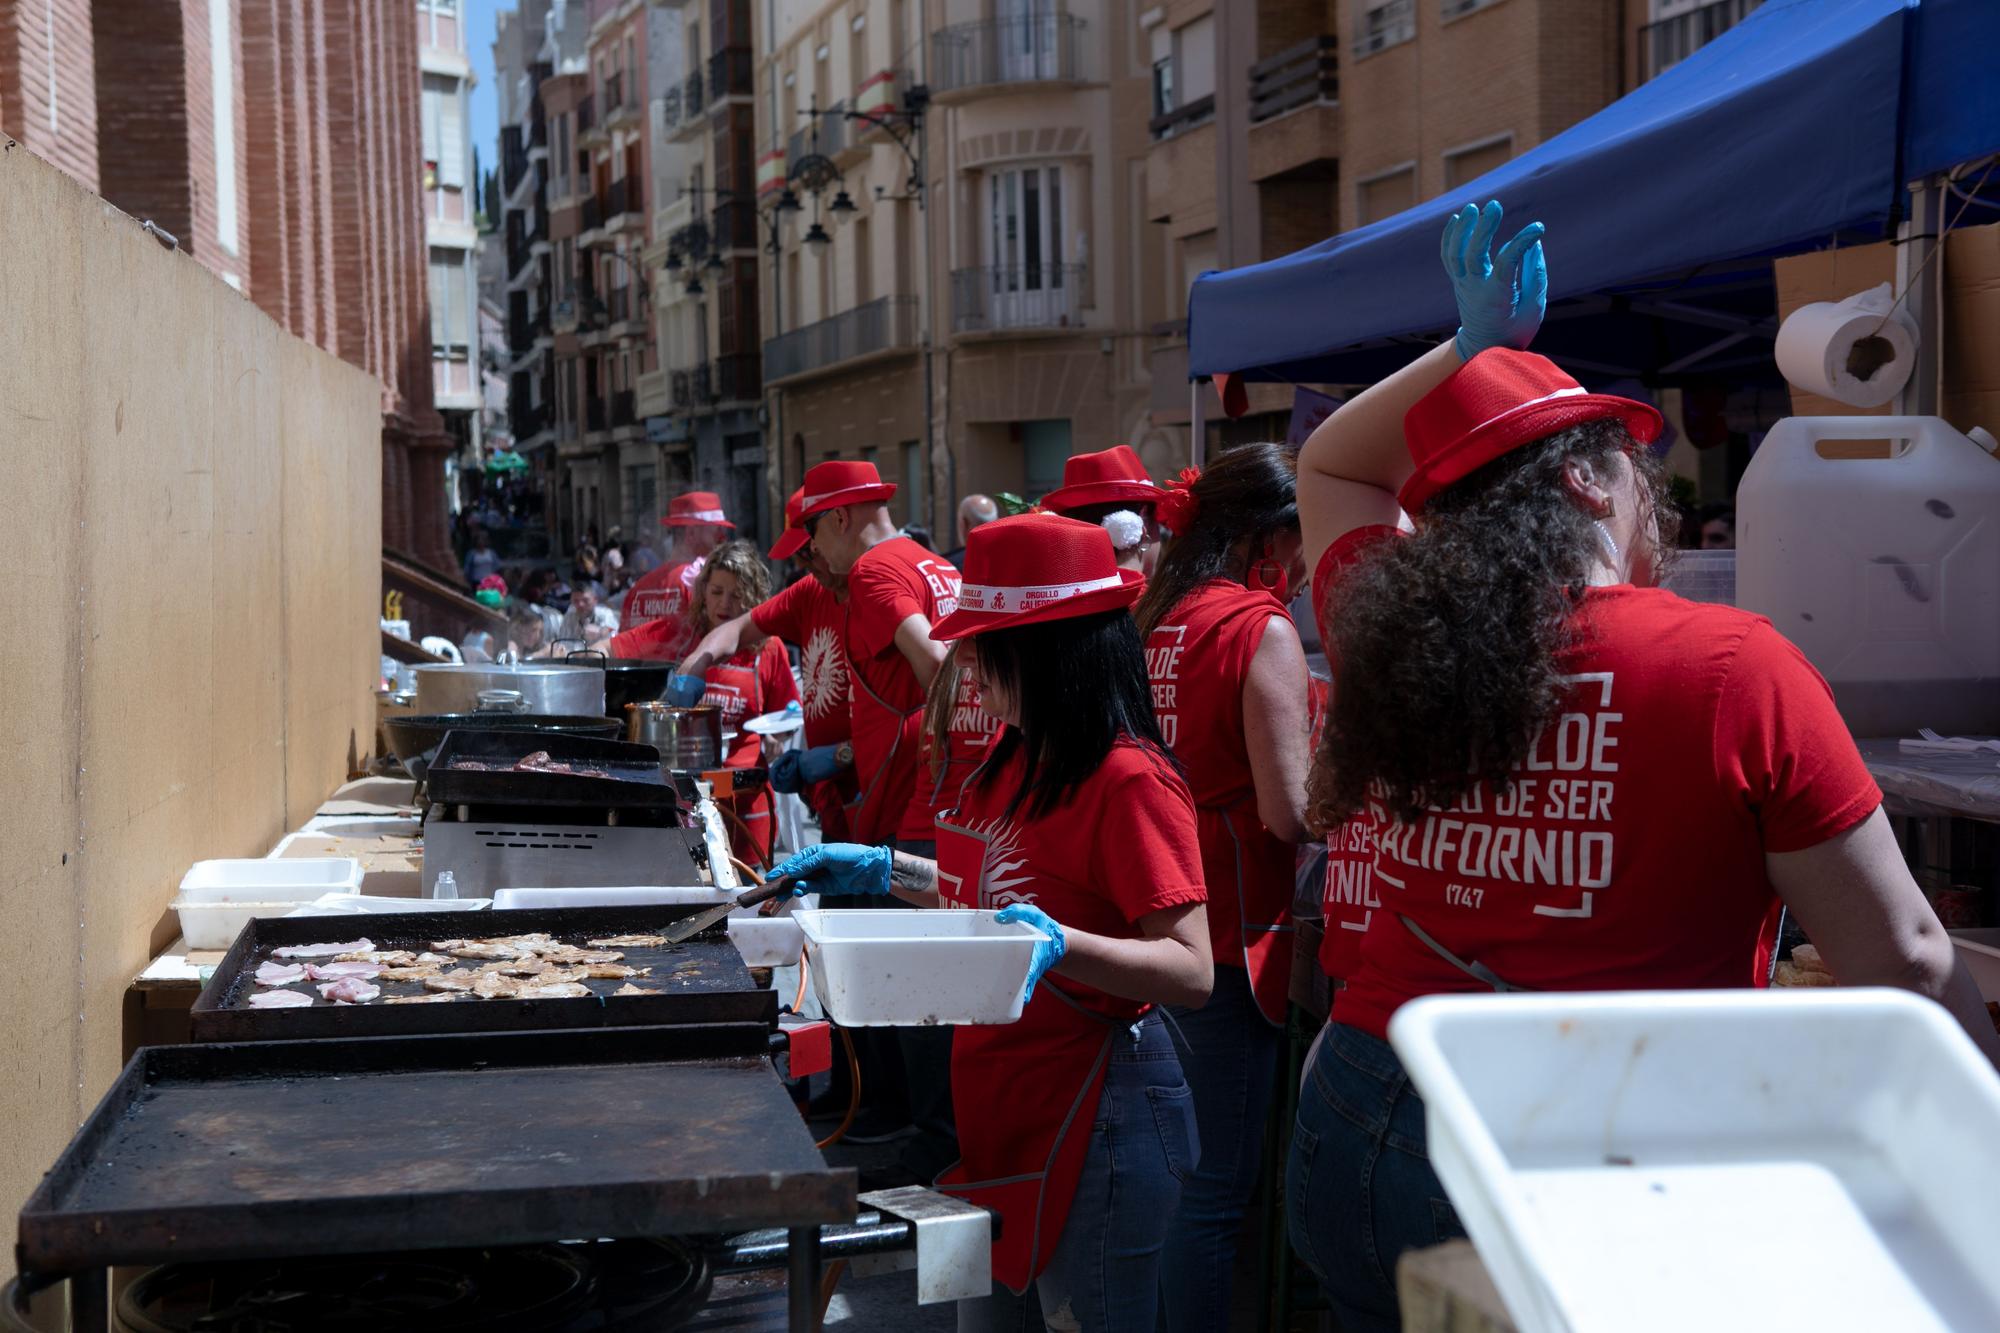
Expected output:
(702, 515)
(978, 597)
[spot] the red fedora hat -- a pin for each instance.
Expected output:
(1101, 478)
(696, 509)
(1035, 567)
(839, 482)
(1492, 405)
(793, 538)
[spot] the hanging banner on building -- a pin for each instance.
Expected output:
(1309, 408)
(877, 97)
(771, 172)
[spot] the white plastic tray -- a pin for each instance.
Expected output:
(1816, 1160)
(267, 880)
(917, 967)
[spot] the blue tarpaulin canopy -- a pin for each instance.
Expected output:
(1798, 127)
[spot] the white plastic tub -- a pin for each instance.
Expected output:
(918, 967)
(1716, 1160)
(217, 897)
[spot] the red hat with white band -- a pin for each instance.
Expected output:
(1036, 567)
(1111, 475)
(696, 509)
(1492, 405)
(793, 539)
(840, 482)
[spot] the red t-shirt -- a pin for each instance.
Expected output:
(1121, 847)
(1628, 853)
(891, 582)
(810, 615)
(968, 734)
(665, 593)
(1197, 658)
(752, 682)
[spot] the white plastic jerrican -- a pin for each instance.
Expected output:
(918, 967)
(1884, 570)
(1649, 1162)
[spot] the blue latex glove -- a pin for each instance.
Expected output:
(785, 772)
(820, 763)
(1047, 954)
(837, 867)
(1500, 297)
(685, 691)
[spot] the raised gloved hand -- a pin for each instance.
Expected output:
(1048, 952)
(1500, 297)
(837, 867)
(685, 691)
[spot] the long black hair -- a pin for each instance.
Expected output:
(1081, 685)
(1447, 641)
(1250, 491)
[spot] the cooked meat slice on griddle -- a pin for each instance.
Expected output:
(612, 971)
(350, 990)
(552, 990)
(629, 989)
(380, 957)
(439, 997)
(280, 999)
(280, 974)
(459, 979)
(482, 949)
(629, 942)
(323, 950)
(410, 973)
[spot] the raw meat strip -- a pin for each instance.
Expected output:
(279, 974)
(331, 971)
(280, 999)
(323, 950)
(350, 990)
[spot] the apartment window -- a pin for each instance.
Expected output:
(1045, 447)
(1382, 24)
(916, 488)
(1386, 194)
(444, 130)
(1163, 85)
(1194, 60)
(451, 312)
(1451, 9)
(222, 105)
(1475, 160)
(1025, 221)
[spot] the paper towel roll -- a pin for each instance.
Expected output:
(1837, 349)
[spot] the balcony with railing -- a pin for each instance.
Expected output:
(731, 73)
(1179, 120)
(694, 102)
(590, 131)
(513, 159)
(1295, 108)
(885, 325)
(738, 378)
(620, 104)
(996, 297)
(624, 409)
(831, 140)
(623, 205)
(590, 222)
(1664, 44)
(967, 58)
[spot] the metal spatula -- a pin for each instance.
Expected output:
(689, 927)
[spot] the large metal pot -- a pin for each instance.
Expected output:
(687, 738)
(627, 680)
(544, 687)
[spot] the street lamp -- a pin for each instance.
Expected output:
(843, 203)
(816, 236)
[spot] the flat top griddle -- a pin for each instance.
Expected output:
(702, 981)
(296, 1148)
(632, 772)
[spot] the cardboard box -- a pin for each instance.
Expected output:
(1970, 318)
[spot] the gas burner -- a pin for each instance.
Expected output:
(567, 1288)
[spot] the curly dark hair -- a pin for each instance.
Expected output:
(1249, 492)
(1446, 642)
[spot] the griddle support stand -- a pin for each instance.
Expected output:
(90, 1301)
(802, 1281)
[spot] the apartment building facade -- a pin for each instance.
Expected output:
(960, 298)
(451, 207)
(279, 143)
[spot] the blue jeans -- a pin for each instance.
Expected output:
(1232, 1065)
(1104, 1276)
(1359, 1189)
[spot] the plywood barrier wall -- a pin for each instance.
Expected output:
(190, 534)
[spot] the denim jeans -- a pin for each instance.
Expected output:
(1104, 1274)
(1359, 1189)
(1232, 1065)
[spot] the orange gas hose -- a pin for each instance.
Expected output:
(853, 1097)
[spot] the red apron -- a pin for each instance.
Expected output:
(1237, 850)
(1022, 1136)
(875, 815)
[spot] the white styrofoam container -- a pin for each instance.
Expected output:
(918, 967)
(1648, 1162)
(217, 897)
(363, 904)
(764, 941)
(1979, 950)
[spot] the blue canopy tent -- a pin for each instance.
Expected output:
(1798, 128)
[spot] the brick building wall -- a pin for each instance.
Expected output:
(48, 98)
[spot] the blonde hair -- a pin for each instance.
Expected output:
(753, 579)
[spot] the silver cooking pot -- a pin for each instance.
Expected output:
(543, 687)
(687, 738)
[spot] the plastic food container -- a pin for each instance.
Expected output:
(392, 864)
(918, 967)
(217, 897)
(1723, 1159)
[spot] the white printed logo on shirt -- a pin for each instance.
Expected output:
(825, 673)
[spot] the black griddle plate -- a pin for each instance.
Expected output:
(633, 777)
(317, 1147)
(702, 981)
